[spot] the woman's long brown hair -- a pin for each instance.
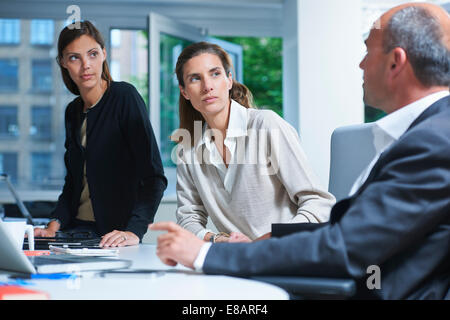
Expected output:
(68, 35)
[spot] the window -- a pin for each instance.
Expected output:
(41, 123)
(114, 67)
(42, 32)
(129, 54)
(262, 69)
(42, 75)
(9, 69)
(115, 38)
(170, 49)
(170, 37)
(9, 31)
(371, 114)
(8, 122)
(8, 164)
(32, 98)
(41, 167)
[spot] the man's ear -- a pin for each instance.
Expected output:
(183, 92)
(398, 61)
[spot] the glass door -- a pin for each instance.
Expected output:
(167, 38)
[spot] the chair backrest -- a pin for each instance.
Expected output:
(352, 149)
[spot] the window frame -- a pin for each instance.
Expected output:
(15, 24)
(35, 87)
(158, 24)
(15, 111)
(15, 88)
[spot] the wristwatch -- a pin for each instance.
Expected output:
(214, 238)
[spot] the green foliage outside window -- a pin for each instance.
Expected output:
(263, 73)
(372, 114)
(262, 68)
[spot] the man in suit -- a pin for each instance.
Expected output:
(398, 220)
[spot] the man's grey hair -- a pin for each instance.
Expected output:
(416, 31)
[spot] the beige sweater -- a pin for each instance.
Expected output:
(273, 182)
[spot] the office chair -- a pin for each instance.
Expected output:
(352, 149)
(312, 288)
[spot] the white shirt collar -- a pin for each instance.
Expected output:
(396, 123)
(392, 127)
(237, 125)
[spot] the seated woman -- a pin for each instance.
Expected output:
(115, 179)
(242, 167)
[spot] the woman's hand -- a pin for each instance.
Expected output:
(223, 237)
(44, 232)
(118, 238)
(49, 231)
(238, 237)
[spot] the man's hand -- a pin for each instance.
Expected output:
(177, 245)
(118, 238)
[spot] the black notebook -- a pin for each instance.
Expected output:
(67, 239)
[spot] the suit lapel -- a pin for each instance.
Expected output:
(435, 108)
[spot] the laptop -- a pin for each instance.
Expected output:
(23, 210)
(78, 239)
(67, 238)
(14, 260)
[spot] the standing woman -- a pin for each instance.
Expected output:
(216, 176)
(114, 176)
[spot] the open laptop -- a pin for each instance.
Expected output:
(23, 210)
(14, 260)
(71, 239)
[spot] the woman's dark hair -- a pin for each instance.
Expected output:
(68, 35)
(239, 92)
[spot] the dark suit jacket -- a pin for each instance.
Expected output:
(398, 220)
(123, 165)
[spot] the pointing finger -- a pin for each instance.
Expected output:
(165, 226)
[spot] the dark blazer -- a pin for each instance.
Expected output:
(398, 220)
(123, 165)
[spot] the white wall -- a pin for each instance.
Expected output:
(322, 83)
(166, 212)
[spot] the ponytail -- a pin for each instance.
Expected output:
(242, 95)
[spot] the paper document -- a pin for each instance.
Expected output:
(85, 251)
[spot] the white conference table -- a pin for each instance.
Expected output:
(172, 283)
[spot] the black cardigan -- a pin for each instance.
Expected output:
(123, 165)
